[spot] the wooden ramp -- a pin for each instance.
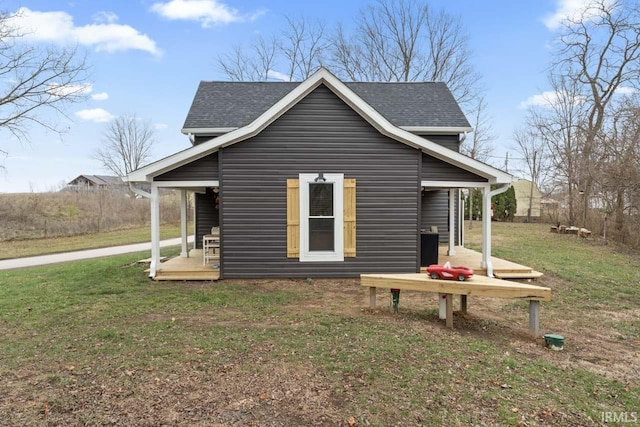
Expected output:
(502, 268)
(191, 268)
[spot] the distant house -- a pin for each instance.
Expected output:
(322, 177)
(95, 182)
(527, 197)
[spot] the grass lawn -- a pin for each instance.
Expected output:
(96, 343)
(32, 247)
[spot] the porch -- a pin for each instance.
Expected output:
(502, 269)
(192, 267)
(188, 268)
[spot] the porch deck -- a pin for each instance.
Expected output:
(191, 268)
(502, 269)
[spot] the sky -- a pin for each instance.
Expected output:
(148, 56)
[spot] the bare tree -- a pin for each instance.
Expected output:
(34, 79)
(303, 47)
(478, 145)
(599, 50)
(299, 50)
(558, 125)
(393, 40)
(619, 178)
(127, 145)
(534, 152)
(405, 40)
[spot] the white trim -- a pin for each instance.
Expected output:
(185, 184)
(184, 250)
(208, 131)
(437, 130)
(322, 76)
(453, 184)
(452, 222)
(338, 237)
(154, 200)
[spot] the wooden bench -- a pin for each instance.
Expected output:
(476, 286)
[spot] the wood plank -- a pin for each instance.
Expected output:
(477, 286)
(449, 302)
(512, 275)
(372, 298)
(463, 304)
(534, 318)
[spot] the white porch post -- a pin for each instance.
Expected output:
(155, 231)
(184, 252)
(460, 219)
(452, 222)
(486, 231)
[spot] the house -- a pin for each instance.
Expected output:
(322, 177)
(527, 197)
(94, 182)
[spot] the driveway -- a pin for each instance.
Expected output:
(34, 261)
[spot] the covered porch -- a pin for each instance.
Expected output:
(486, 261)
(189, 265)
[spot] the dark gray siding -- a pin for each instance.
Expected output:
(204, 169)
(206, 215)
(452, 142)
(435, 211)
(436, 170)
(319, 134)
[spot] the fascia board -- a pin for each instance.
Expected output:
(207, 131)
(437, 130)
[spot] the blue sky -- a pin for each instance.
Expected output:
(147, 57)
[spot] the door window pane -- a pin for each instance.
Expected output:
(321, 234)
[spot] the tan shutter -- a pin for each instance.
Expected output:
(349, 190)
(293, 218)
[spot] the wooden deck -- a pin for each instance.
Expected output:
(476, 286)
(190, 268)
(502, 269)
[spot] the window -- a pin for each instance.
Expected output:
(321, 217)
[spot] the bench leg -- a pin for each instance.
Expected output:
(372, 297)
(534, 318)
(449, 311)
(463, 304)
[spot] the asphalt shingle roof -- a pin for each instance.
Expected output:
(236, 104)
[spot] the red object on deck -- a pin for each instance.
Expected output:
(437, 271)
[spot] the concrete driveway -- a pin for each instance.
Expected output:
(34, 261)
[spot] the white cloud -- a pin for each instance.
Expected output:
(160, 126)
(105, 17)
(545, 99)
(65, 90)
(277, 75)
(625, 90)
(207, 12)
(100, 96)
(103, 36)
(573, 10)
(98, 115)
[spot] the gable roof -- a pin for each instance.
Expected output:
(223, 106)
(358, 104)
(99, 179)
